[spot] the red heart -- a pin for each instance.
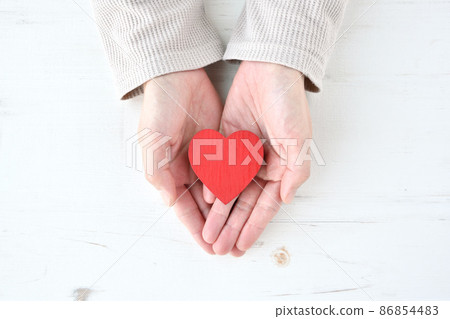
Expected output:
(226, 165)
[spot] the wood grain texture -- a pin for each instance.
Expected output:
(377, 216)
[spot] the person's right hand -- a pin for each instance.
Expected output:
(173, 103)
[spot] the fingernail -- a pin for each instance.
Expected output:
(166, 197)
(289, 197)
(207, 236)
(240, 246)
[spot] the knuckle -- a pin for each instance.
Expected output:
(196, 233)
(266, 212)
(265, 207)
(257, 226)
(185, 214)
(306, 175)
(243, 205)
(219, 212)
(150, 178)
(233, 225)
(303, 175)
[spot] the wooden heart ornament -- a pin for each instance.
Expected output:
(226, 165)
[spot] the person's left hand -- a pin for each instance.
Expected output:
(267, 100)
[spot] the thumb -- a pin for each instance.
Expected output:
(156, 164)
(292, 180)
(208, 196)
(296, 173)
(164, 182)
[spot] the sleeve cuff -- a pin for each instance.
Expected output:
(146, 39)
(294, 58)
(130, 82)
(293, 33)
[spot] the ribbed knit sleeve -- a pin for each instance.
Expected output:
(148, 38)
(295, 33)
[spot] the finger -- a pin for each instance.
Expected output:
(155, 163)
(165, 184)
(297, 169)
(239, 215)
(208, 195)
(189, 214)
(235, 252)
(271, 171)
(265, 209)
(197, 194)
(216, 219)
(293, 179)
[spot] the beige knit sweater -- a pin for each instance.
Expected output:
(148, 38)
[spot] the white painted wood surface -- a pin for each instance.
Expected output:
(380, 208)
